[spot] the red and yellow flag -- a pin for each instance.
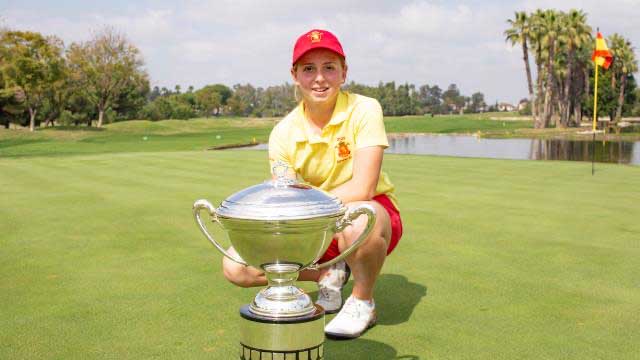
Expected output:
(601, 55)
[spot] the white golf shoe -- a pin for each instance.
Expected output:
(330, 287)
(353, 320)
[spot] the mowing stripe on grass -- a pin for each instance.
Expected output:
(500, 259)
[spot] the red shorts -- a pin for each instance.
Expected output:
(396, 229)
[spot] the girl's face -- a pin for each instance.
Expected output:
(319, 74)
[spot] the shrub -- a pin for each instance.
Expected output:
(525, 110)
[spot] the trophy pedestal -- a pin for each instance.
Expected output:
(294, 338)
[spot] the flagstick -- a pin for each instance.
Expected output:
(593, 152)
(595, 117)
(595, 100)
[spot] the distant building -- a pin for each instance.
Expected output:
(506, 107)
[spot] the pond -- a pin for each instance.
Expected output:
(622, 152)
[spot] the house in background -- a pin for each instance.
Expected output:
(506, 107)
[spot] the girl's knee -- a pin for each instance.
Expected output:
(375, 243)
(380, 233)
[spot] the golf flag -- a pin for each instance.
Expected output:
(601, 55)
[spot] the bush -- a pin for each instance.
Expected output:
(150, 112)
(66, 118)
(182, 111)
(168, 107)
(110, 116)
(525, 110)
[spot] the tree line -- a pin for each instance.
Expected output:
(273, 101)
(103, 79)
(41, 80)
(561, 44)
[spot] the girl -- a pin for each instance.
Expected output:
(335, 140)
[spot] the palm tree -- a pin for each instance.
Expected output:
(551, 26)
(560, 76)
(625, 63)
(536, 37)
(575, 34)
(580, 81)
(519, 34)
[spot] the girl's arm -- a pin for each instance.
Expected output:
(367, 162)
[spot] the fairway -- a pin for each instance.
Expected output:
(500, 259)
(204, 133)
(134, 136)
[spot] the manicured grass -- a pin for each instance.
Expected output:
(500, 259)
(135, 136)
(199, 134)
(452, 124)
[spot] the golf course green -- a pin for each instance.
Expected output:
(100, 256)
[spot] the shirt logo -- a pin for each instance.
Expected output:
(315, 36)
(343, 149)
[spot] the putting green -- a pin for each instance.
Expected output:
(100, 258)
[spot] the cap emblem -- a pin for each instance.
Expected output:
(315, 36)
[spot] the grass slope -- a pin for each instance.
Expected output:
(134, 136)
(446, 124)
(500, 259)
(199, 134)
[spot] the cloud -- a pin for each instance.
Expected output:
(198, 51)
(198, 42)
(428, 17)
(149, 27)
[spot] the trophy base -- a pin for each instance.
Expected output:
(295, 338)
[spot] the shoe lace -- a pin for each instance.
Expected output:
(324, 292)
(354, 309)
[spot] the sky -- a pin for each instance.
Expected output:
(200, 42)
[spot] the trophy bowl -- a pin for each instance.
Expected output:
(282, 227)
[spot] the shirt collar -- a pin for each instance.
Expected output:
(340, 110)
(339, 115)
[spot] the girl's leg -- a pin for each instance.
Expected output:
(367, 260)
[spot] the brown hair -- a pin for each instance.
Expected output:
(343, 63)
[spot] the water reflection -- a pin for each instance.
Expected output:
(623, 152)
(617, 152)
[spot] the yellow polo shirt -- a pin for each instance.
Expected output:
(326, 160)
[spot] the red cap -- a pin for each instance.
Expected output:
(316, 39)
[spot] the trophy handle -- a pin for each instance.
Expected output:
(347, 220)
(204, 204)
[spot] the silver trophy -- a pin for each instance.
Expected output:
(282, 227)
